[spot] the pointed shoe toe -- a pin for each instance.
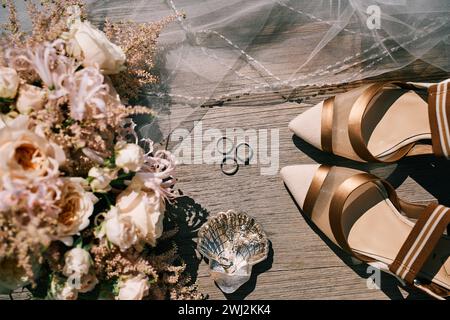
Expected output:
(307, 125)
(298, 178)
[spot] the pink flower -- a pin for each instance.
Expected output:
(86, 92)
(158, 173)
(52, 68)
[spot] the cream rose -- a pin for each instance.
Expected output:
(77, 261)
(119, 229)
(146, 210)
(100, 178)
(61, 289)
(129, 156)
(77, 205)
(26, 156)
(134, 288)
(6, 119)
(9, 82)
(95, 48)
(30, 98)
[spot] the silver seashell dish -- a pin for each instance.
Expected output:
(233, 243)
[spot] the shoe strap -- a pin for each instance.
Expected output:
(421, 242)
(314, 189)
(340, 198)
(411, 210)
(439, 115)
(356, 116)
(326, 135)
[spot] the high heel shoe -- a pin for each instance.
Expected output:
(381, 122)
(362, 215)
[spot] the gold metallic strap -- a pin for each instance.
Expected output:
(340, 198)
(327, 125)
(314, 189)
(359, 108)
(439, 115)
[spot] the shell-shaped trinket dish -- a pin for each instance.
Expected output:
(233, 243)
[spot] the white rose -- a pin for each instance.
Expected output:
(74, 13)
(67, 293)
(76, 205)
(119, 230)
(6, 119)
(146, 210)
(134, 288)
(30, 98)
(129, 156)
(60, 289)
(101, 178)
(9, 83)
(96, 48)
(26, 156)
(77, 261)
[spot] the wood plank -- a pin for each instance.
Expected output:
(301, 265)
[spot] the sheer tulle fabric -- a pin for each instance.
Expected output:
(230, 48)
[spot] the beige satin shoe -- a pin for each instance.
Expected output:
(362, 215)
(381, 122)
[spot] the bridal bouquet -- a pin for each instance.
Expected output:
(82, 196)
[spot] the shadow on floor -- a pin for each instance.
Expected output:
(188, 216)
(430, 173)
(325, 158)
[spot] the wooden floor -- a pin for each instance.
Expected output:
(301, 265)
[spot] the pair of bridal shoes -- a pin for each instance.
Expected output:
(362, 213)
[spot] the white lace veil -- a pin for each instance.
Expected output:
(229, 48)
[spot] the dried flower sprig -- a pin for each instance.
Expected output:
(139, 42)
(48, 20)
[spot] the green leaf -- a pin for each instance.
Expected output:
(107, 198)
(5, 107)
(6, 100)
(90, 179)
(88, 247)
(68, 122)
(110, 162)
(98, 229)
(78, 243)
(115, 287)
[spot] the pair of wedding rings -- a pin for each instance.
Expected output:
(232, 154)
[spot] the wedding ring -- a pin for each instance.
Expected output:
(247, 159)
(231, 171)
(221, 150)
